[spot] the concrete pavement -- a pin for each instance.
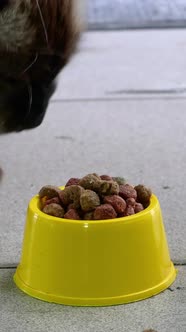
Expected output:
(137, 130)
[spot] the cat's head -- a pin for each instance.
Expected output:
(37, 38)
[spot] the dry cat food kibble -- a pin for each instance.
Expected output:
(94, 197)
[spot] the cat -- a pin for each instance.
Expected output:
(37, 39)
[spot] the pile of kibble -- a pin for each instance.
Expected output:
(94, 197)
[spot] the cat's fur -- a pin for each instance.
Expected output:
(37, 38)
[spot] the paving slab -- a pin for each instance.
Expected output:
(163, 313)
(143, 140)
(125, 64)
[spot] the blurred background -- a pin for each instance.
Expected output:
(125, 14)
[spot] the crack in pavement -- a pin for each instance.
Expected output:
(127, 97)
(148, 91)
(9, 267)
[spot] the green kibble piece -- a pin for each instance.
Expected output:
(143, 194)
(49, 192)
(89, 200)
(90, 181)
(120, 180)
(89, 215)
(108, 188)
(54, 210)
(71, 194)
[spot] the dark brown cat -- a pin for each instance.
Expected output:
(37, 38)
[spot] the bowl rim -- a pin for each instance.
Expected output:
(33, 206)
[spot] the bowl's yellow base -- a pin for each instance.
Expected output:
(110, 301)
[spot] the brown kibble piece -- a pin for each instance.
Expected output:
(138, 207)
(49, 191)
(54, 210)
(104, 211)
(72, 214)
(89, 200)
(127, 191)
(72, 181)
(143, 195)
(117, 202)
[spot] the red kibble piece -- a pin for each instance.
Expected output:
(138, 207)
(129, 211)
(72, 214)
(105, 211)
(55, 200)
(127, 191)
(106, 177)
(70, 206)
(72, 181)
(117, 202)
(131, 201)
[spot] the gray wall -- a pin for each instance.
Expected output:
(119, 14)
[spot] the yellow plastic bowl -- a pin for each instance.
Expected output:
(94, 263)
